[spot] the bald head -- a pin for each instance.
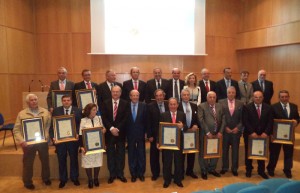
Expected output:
(262, 74)
(205, 74)
(135, 72)
(176, 73)
(211, 97)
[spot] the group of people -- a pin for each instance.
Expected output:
(131, 113)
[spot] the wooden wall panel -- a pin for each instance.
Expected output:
(19, 14)
(285, 12)
(2, 12)
(81, 46)
(21, 51)
(80, 16)
(4, 96)
(3, 51)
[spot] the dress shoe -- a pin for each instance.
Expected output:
(122, 178)
(133, 179)
(30, 186)
(96, 182)
(204, 176)
(166, 184)
(271, 173)
(192, 175)
(235, 173)
(223, 172)
(288, 174)
(76, 182)
(214, 173)
(248, 174)
(263, 175)
(61, 184)
(142, 178)
(90, 184)
(179, 184)
(110, 180)
(47, 182)
(154, 178)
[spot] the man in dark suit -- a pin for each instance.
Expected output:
(156, 83)
(104, 88)
(134, 83)
(226, 82)
(190, 110)
(212, 121)
(71, 148)
(173, 116)
(258, 122)
(264, 86)
(85, 84)
(114, 119)
(135, 132)
(232, 109)
(155, 108)
(61, 84)
(206, 84)
(283, 110)
(175, 85)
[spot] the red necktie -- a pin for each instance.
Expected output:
(258, 111)
(206, 86)
(115, 109)
(173, 118)
(135, 85)
(89, 85)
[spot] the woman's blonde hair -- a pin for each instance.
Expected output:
(187, 82)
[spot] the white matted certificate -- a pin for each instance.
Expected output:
(33, 130)
(67, 128)
(64, 128)
(283, 131)
(190, 142)
(93, 140)
(85, 96)
(169, 136)
(212, 147)
(258, 148)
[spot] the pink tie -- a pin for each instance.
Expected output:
(62, 86)
(258, 111)
(115, 109)
(173, 118)
(135, 85)
(231, 108)
(89, 85)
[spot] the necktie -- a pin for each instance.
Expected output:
(67, 112)
(173, 118)
(88, 85)
(227, 83)
(115, 109)
(258, 111)
(158, 85)
(135, 85)
(111, 85)
(160, 108)
(62, 86)
(285, 111)
(231, 108)
(262, 85)
(215, 117)
(206, 86)
(188, 115)
(245, 87)
(133, 112)
(176, 94)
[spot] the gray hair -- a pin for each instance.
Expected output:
(29, 96)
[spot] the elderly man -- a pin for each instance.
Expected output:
(206, 84)
(246, 89)
(263, 85)
(175, 85)
(33, 111)
(212, 121)
(61, 84)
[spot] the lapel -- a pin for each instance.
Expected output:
(210, 110)
(255, 111)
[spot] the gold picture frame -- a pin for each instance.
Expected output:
(212, 147)
(190, 142)
(93, 140)
(258, 148)
(169, 136)
(33, 130)
(283, 131)
(85, 96)
(64, 127)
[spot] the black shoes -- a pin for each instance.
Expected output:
(61, 184)
(142, 178)
(76, 182)
(204, 176)
(122, 178)
(166, 184)
(192, 175)
(47, 182)
(214, 173)
(235, 173)
(263, 175)
(179, 184)
(223, 172)
(271, 173)
(133, 179)
(154, 178)
(30, 187)
(96, 182)
(248, 174)
(288, 174)
(90, 184)
(111, 180)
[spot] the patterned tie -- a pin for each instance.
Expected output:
(176, 93)
(215, 117)
(88, 85)
(133, 112)
(206, 86)
(62, 86)
(135, 85)
(115, 109)
(285, 111)
(188, 115)
(258, 111)
(173, 118)
(231, 108)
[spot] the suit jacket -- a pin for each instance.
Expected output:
(151, 88)
(269, 91)
(137, 129)
(206, 118)
(55, 86)
(253, 123)
(79, 86)
(213, 87)
(170, 88)
(236, 119)
(222, 89)
(128, 86)
(104, 92)
(166, 117)
(153, 117)
(246, 96)
(119, 122)
(278, 112)
(58, 111)
(194, 120)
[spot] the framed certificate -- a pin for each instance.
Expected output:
(258, 148)
(33, 130)
(169, 136)
(212, 147)
(64, 128)
(93, 140)
(56, 97)
(85, 96)
(283, 131)
(190, 142)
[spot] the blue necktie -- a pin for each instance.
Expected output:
(133, 112)
(188, 115)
